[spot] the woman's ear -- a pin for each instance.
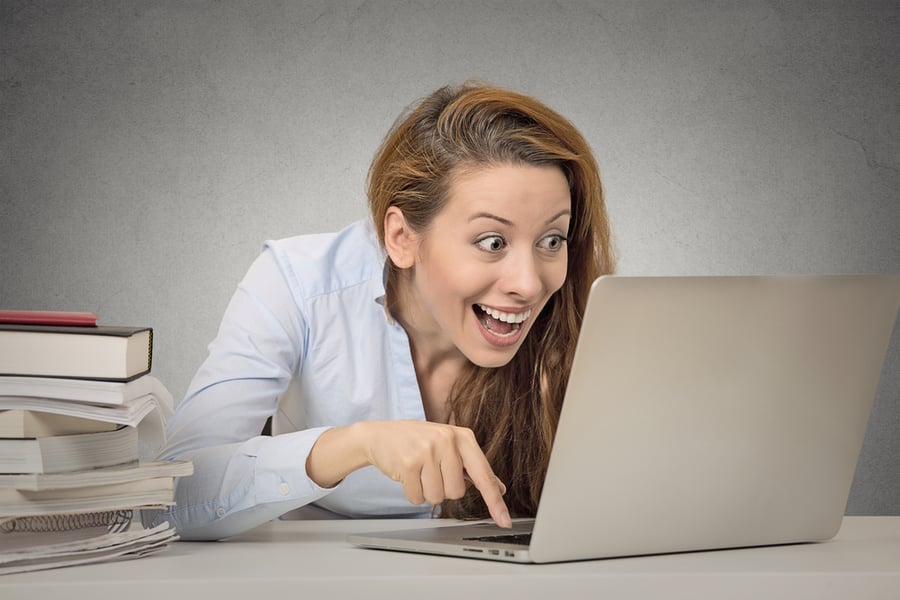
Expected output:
(400, 242)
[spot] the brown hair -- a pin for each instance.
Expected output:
(514, 409)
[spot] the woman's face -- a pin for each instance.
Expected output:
(490, 261)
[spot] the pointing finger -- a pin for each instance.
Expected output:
(491, 488)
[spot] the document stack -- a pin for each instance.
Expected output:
(81, 421)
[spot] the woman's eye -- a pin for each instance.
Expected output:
(491, 243)
(552, 242)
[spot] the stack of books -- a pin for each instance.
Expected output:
(81, 421)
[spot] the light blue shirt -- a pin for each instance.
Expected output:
(309, 314)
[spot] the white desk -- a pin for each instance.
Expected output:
(310, 559)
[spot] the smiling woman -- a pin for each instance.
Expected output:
(432, 342)
(496, 252)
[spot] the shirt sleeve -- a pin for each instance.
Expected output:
(241, 478)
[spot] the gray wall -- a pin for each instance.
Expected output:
(148, 148)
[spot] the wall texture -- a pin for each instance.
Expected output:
(148, 148)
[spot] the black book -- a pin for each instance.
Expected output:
(108, 353)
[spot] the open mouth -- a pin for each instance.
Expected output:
(498, 322)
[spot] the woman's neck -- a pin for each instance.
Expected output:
(437, 361)
(435, 383)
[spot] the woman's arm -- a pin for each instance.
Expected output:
(430, 460)
(242, 479)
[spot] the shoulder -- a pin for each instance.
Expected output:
(324, 263)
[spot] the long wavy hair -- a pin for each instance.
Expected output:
(513, 409)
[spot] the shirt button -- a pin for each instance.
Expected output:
(284, 489)
(220, 512)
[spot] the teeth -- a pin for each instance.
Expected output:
(513, 318)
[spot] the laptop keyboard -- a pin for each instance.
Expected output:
(522, 539)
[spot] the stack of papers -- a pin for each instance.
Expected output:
(50, 550)
(70, 513)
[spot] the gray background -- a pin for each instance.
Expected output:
(148, 148)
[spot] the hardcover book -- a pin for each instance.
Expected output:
(48, 317)
(104, 352)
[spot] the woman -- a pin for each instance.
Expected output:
(416, 360)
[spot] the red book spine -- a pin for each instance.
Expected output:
(49, 317)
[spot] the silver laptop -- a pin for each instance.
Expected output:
(701, 413)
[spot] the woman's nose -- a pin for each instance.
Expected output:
(521, 276)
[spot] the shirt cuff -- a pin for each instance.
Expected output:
(280, 472)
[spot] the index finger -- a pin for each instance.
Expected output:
(490, 486)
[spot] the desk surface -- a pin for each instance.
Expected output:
(312, 557)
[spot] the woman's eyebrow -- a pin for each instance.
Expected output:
(486, 215)
(507, 222)
(562, 213)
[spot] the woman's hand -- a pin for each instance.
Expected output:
(430, 460)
